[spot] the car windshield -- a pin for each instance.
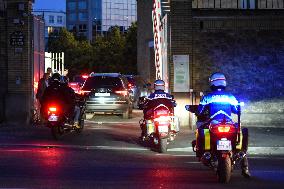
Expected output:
(102, 82)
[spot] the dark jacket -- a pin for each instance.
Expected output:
(41, 88)
(60, 95)
(155, 99)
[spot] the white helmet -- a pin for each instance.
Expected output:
(159, 85)
(218, 80)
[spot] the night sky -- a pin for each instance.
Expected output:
(50, 5)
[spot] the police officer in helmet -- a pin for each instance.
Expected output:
(217, 106)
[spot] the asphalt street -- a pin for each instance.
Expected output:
(108, 154)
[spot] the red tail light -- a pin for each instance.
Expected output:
(130, 86)
(224, 129)
(85, 76)
(52, 109)
(122, 92)
(83, 92)
(163, 119)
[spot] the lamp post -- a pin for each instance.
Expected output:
(96, 27)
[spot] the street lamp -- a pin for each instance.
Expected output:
(96, 26)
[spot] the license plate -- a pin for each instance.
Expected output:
(163, 129)
(102, 94)
(224, 145)
(53, 118)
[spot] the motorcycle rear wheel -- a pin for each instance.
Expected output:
(224, 169)
(56, 132)
(163, 145)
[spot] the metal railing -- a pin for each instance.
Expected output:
(238, 4)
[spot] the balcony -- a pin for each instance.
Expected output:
(238, 4)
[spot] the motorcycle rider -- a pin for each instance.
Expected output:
(60, 93)
(217, 106)
(155, 99)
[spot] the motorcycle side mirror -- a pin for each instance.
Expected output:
(191, 108)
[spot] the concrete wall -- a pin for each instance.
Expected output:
(145, 54)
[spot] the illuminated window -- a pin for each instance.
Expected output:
(50, 30)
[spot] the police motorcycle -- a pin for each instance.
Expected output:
(161, 128)
(223, 144)
(59, 123)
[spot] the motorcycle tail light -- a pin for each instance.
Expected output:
(162, 119)
(52, 109)
(130, 86)
(85, 76)
(224, 129)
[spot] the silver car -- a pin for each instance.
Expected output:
(107, 93)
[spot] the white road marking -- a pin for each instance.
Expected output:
(111, 122)
(252, 150)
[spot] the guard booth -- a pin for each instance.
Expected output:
(55, 61)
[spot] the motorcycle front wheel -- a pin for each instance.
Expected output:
(224, 169)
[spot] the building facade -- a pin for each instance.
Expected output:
(94, 17)
(243, 39)
(54, 21)
(21, 59)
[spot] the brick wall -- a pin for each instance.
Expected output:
(3, 67)
(181, 44)
(251, 54)
(19, 94)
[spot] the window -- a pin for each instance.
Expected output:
(50, 30)
(71, 27)
(71, 5)
(51, 19)
(82, 5)
(72, 17)
(82, 28)
(83, 16)
(59, 19)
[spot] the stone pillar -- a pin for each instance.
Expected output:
(181, 44)
(145, 50)
(18, 99)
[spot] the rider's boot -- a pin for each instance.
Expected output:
(245, 169)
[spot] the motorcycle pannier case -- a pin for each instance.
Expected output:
(203, 135)
(150, 127)
(175, 124)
